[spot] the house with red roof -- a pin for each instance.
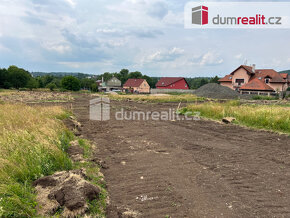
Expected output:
(249, 79)
(172, 83)
(136, 86)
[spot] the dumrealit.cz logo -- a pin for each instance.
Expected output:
(200, 15)
(237, 15)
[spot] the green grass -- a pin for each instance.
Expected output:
(263, 97)
(86, 146)
(32, 145)
(268, 117)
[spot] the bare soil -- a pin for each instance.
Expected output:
(188, 168)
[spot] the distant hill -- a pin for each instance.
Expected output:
(285, 71)
(62, 74)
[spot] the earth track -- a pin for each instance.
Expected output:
(189, 168)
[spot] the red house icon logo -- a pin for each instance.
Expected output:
(200, 15)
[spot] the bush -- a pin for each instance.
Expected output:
(94, 87)
(288, 89)
(70, 83)
(51, 86)
(32, 84)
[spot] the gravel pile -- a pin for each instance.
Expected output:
(214, 90)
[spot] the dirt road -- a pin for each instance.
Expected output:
(189, 168)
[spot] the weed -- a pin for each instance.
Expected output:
(86, 146)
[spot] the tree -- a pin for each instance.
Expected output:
(94, 87)
(18, 77)
(135, 75)
(32, 84)
(47, 79)
(3, 77)
(203, 82)
(124, 75)
(214, 80)
(51, 86)
(86, 83)
(70, 83)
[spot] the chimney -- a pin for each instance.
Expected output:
(102, 79)
(254, 67)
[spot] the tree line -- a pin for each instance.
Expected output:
(15, 77)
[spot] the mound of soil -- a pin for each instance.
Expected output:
(214, 90)
(65, 190)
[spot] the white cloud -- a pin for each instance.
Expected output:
(84, 65)
(208, 59)
(60, 48)
(71, 2)
(238, 56)
(165, 55)
(174, 18)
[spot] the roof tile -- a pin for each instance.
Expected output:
(166, 81)
(133, 82)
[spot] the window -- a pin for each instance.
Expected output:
(267, 80)
(185, 85)
(240, 81)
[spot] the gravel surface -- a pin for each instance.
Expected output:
(213, 90)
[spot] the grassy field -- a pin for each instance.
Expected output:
(269, 117)
(159, 98)
(32, 143)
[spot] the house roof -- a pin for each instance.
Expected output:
(166, 81)
(247, 68)
(227, 78)
(256, 84)
(284, 75)
(274, 76)
(133, 82)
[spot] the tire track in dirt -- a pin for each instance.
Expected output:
(189, 168)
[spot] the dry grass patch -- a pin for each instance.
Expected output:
(34, 96)
(159, 98)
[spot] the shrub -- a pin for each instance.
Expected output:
(70, 83)
(32, 84)
(94, 87)
(51, 86)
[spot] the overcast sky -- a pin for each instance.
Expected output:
(95, 36)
